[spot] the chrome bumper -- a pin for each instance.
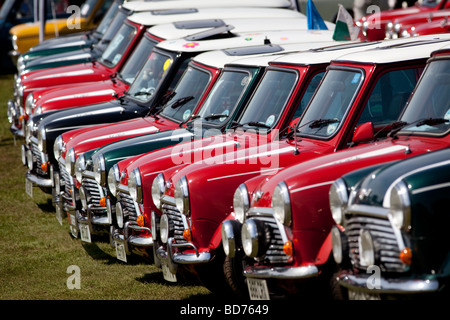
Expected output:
(41, 182)
(386, 286)
(180, 257)
(129, 240)
(282, 272)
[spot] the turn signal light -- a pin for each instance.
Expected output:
(187, 235)
(102, 202)
(406, 256)
(140, 220)
(44, 166)
(288, 248)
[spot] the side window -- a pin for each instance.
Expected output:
(389, 96)
(312, 86)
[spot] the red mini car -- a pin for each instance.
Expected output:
(362, 90)
(287, 235)
(374, 25)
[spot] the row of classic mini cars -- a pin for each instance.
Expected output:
(230, 169)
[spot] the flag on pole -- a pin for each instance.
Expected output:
(315, 21)
(345, 28)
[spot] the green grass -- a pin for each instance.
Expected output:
(36, 251)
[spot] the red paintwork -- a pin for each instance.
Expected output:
(84, 72)
(77, 95)
(169, 159)
(311, 180)
(219, 181)
(434, 27)
(377, 24)
(97, 136)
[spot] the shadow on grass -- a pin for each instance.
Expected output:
(47, 206)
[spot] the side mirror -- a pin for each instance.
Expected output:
(363, 133)
(292, 124)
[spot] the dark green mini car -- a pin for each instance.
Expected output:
(392, 239)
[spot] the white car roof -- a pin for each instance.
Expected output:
(400, 49)
(182, 4)
(246, 39)
(180, 29)
(254, 55)
(148, 18)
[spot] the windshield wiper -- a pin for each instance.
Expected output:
(322, 122)
(214, 116)
(250, 123)
(179, 102)
(421, 122)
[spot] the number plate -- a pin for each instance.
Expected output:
(358, 295)
(120, 252)
(85, 234)
(29, 187)
(73, 226)
(168, 276)
(59, 214)
(257, 289)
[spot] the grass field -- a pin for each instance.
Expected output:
(36, 252)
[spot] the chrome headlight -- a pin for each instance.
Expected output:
(113, 179)
(181, 195)
(20, 94)
(252, 237)
(338, 198)
(281, 204)
(164, 228)
(38, 110)
(70, 161)
(29, 104)
(135, 185)
(158, 187)
(241, 202)
(42, 145)
(58, 147)
(119, 215)
(400, 206)
(100, 169)
(29, 128)
(80, 166)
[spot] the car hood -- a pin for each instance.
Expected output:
(76, 95)
(101, 135)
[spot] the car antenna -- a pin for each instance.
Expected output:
(267, 41)
(295, 141)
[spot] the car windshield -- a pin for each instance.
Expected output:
(111, 31)
(149, 78)
(429, 108)
(269, 99)
(108, 17)
(87, 8)
(118, 45)
(330, 103)
(224, 96)
(186, 94)
(137, 59)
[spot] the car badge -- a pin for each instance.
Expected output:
(258, 195)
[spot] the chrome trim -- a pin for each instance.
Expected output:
(282, 272)
(182, 258)
(42, 182)
(406, 286)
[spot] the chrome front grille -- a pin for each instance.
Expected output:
(175, 222)
(274, 253)
(37, 160)
(93, 192)
(385, 241)
(64, 181)
(128, 206)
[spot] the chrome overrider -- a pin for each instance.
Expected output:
(126, 212)
(247, 237)
(168, 231)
